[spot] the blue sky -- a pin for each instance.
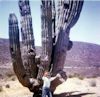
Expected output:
(87, 29)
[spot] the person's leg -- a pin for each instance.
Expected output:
(49, 93)
(44, 92)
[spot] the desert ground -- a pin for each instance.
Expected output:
(72, 87)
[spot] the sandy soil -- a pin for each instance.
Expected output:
(73, 87)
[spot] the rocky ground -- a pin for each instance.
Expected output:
(73, 87)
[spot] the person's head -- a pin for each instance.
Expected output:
(47, 74)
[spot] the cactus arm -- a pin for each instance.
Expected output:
(46, 19)
(28, 50)
(69, 12)
(24, 60)
(15, 50)
(48, 16)
(46, 26)
(73, 15)
(28, 53)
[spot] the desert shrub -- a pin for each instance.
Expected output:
(94, 76)
(81, 77)
(88, 77)
(93, 83)
(13, 78)
(10, 74)
(70, 76)
(7, 86)
(1, 89)
(76, 75)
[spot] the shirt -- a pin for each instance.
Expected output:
(47, 81)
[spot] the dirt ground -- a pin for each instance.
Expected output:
(73, 87)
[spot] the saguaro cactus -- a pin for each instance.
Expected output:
(55, 41)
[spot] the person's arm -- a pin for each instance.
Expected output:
(43, 78)
(53, 78)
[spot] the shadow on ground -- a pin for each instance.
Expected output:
(70, 94)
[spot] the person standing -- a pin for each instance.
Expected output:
(46, 84)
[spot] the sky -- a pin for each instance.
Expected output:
(87, 28)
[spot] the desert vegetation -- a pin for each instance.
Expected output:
(92, 83)
(1, 89)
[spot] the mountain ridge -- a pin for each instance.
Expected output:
(80, 52)
(83, 58)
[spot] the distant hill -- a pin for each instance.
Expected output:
(4, 52)
(82, 55)
(83, 59)
(5, 57)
